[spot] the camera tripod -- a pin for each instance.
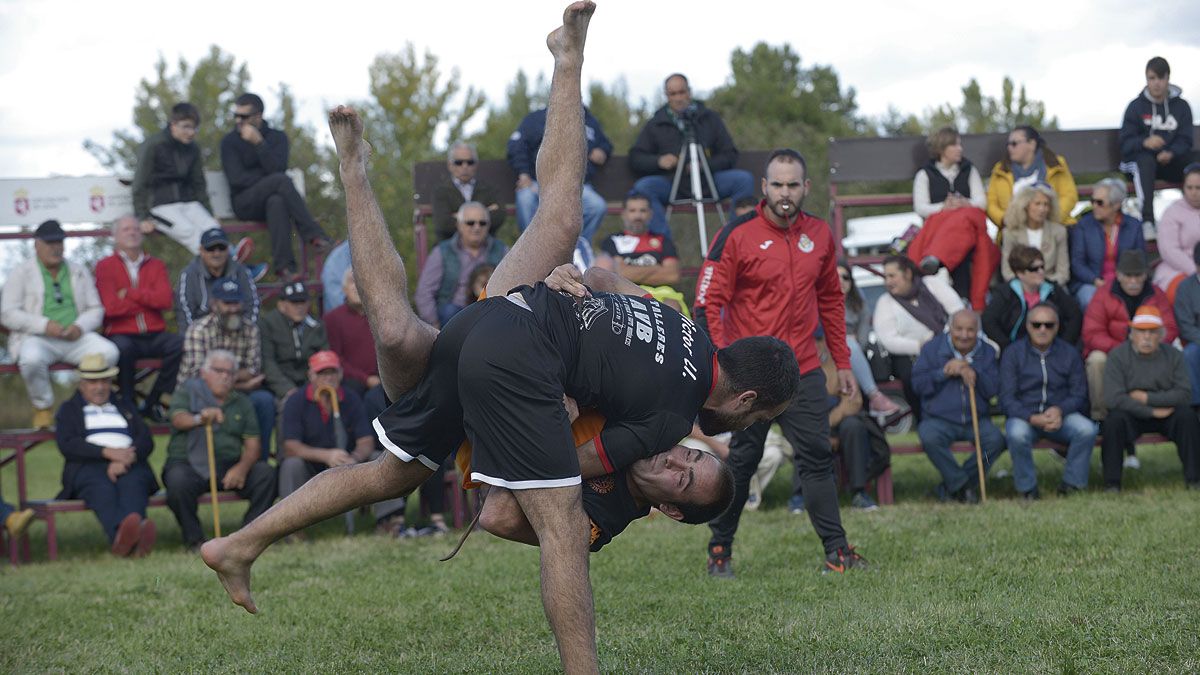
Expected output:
(692, 156)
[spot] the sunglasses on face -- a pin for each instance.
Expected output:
(464, 162)
(1043, 325)
(217, 247)
(1036, 268)
(1099, 202)
(475, 223)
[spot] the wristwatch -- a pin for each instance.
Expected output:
(198, 419)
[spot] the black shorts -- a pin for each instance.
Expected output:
(494, 378)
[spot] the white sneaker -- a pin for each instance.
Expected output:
(1132, 462)
(1149, 231)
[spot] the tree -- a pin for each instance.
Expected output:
(521, 98)
(977, 114)
(620, 119)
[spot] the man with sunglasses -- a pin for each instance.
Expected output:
(462, 162)
(1004, 317)
(442, 286)
(254, 157)
(52, 311)
(1043, 393)
(192, 301)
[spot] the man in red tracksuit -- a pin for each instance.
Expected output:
(774, 272)
(135, 291)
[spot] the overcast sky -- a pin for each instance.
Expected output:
(68, 70)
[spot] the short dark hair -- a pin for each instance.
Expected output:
(745, 203)
(185, 111)
(1045, 304)
(787, 156)
(1190, 169)
(1159, 66)
(764, 365)
(675, 75)
(633, 196)
(1196, 253)
(904, 263)
(1022, 258)
(695, 513)
(251, 100)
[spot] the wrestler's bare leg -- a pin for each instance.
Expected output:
(403, 343)
(550, 239)
(402, 340)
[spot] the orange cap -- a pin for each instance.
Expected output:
(1147, 317)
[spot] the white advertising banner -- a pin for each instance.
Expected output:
(93, 199)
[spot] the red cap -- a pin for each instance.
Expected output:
(323, 360)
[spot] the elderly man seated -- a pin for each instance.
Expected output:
(949, 368)
(211, 399)
(442, 287)
(105, 444)
(52, 310)
(1043, 393)
(1147, 389)
(462, 161)
(227, 328)
(310, 439)
(1106, 321)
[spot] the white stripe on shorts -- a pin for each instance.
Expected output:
(526, 484)
(395, 449)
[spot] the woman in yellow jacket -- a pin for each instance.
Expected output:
(1030, 161)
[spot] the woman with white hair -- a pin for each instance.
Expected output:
(1032, 217)
(1099, 238)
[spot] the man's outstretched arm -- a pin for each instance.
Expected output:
(402, 340)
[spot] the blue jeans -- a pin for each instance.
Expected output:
(6, 509)
(861, 368)
(732, 184)
(1191, 354)
(1084, 295)
(263, 401)
(594, 208)
(1078, 432)
(937, 435)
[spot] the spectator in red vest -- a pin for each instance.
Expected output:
(135, 291)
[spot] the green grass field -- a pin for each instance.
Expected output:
(1095, 583)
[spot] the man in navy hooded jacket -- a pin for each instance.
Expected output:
(1043, 392)
(1156, 135)
(949, 365)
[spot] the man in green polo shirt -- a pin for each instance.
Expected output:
(52, 311)
(212, 399)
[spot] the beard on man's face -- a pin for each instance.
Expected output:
(713, 422)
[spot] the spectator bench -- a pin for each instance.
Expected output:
(883, 483)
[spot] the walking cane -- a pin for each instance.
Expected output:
(212, 479)
(978, 448)
(339, 436)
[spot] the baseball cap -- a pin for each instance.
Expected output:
(323, 360)
(226, 290)
(213, 237)
(295, 292)
(50, 231)
(1147, 317)
(1132, 263)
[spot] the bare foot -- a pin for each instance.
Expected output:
(347, 129)
(233, 572)
(566, 41)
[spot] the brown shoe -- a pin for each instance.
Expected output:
(127, 535)
(43, 418)
(146, 537)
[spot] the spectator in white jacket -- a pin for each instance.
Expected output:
(52, 311)
(914, 310)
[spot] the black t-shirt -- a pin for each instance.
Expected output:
(643, 365)
(639, 250)
(610, 506)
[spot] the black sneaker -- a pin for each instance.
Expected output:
(720, 562)
(1194, 485)
(155, 413)
(930, 265)
(967, 495)
(863, 502)
(1065, 490)
(1031, 496)
(843, 559)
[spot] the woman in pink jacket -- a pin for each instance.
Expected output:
(1178, 234)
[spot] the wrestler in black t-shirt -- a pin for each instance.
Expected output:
(610, 506)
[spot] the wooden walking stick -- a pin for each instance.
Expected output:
(339, 435)
(978, 447)
(212, 479)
